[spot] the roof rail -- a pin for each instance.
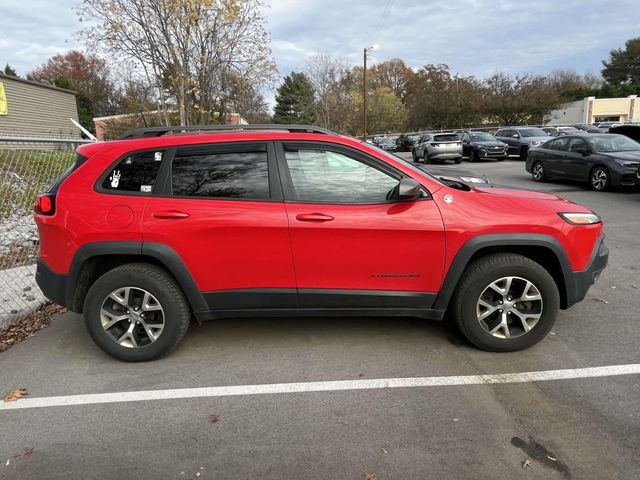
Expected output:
(160, 131)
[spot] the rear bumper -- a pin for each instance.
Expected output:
(53, 285)
(582, 280)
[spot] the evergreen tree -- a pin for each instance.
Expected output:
(295, 100)
(623, 67)
(9, 70)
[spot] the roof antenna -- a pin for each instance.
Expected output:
(84, 130)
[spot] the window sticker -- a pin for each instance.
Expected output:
(115, 178)
(146, 188)
(157, 156)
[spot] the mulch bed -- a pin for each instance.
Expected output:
(29, 326)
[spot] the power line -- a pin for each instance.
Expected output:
(383, 20)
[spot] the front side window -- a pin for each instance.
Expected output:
(136, 173)
(220, 174)
(577, 145)
(533, 132)
(561, 143)
(322, 176)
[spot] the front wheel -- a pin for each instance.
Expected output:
(524, 151)
(600, 179)
(538, 173)
(505, 302)
(136, 312)
(458, 160)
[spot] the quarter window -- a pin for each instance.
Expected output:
(220, 174)
(322, 176)
(136, 173)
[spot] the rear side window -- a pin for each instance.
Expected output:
(136, 173)
(220, 174)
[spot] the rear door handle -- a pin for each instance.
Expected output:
(313, 217)
(170, 214)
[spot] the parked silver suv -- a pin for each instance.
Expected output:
(521, 139)
(438, 147)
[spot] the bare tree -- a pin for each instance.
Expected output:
(327, 76)
(188, 49)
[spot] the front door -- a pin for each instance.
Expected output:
(222, 212)
(353, 246)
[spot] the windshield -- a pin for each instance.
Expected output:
(451, 137)
(482, 137)
(533, 132)
(613, 143)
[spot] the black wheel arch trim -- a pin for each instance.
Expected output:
(472, 246)
(165, 255)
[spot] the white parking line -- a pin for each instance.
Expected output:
(329, 386)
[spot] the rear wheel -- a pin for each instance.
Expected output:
(600, 179)
(414, 156)
(505, 302)
(136, 313)
(474, 156)
(538, 173)
(458, 160)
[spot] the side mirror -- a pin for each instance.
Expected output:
(515, 135)
(409, 189)
(583, 151)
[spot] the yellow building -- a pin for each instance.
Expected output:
(593, 110)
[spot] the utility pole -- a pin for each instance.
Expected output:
(364, 95)
(364, 90)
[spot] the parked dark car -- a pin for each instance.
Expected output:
(405, 142)
(521, 139)
(603, 160)
(479, 145)
(385, 144)
(631, 131)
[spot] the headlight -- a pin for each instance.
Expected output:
(580, 218)
(472, 179)
(627, 163)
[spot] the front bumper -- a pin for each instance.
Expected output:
(582, 280)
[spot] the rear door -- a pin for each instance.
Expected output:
(353, 247)
(221, 211)
(577, 163)
(555, 154)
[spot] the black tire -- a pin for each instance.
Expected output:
(156, 281)
(500, 159)
(458, 160)
(474, 156)
(524, 152)
(475, 281)
(414, 156)
(427, 160)
(600, 179)
(538, 173)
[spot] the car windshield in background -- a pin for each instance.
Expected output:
(533, 132)
(452, 137)
(398, 158)
(613, 143)
(482, 137)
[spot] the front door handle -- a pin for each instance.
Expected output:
(313, 217)
(170, 215)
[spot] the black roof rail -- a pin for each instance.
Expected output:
(160, 131)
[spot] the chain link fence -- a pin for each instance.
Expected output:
(28, 166)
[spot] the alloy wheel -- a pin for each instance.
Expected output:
(509, 307)
(132, 317)
(599, 179)
(538, 172)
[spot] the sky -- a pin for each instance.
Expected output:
(473, 37)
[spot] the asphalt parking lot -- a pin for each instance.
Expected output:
(586, 427)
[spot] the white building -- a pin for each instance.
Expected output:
(593, 110)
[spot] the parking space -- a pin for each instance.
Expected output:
(555, 428)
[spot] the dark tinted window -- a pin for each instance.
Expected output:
(323, 176)
(561, 143)
(221, 174)
(451, 137)
(577, 144)
(136, 173)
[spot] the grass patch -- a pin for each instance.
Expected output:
(26, 173)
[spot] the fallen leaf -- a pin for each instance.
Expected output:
(526, 463)
(601, 300)
(534, 403)
(214, 418)
(16, 394)
(370, 476)
(551, 458)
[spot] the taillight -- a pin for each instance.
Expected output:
(45, 204)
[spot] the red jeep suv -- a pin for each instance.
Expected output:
(164, 224)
